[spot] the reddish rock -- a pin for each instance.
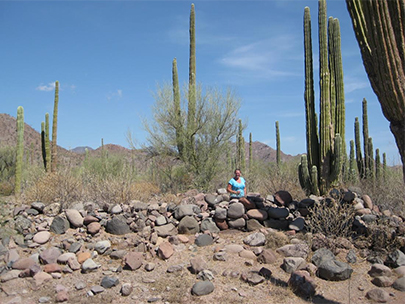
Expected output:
(165, 250)
(222, 224)
(133, 260)
(83, 256)
(23, 263)
(89, 219)
(283, 197)
(268, 256)
(49, 268)
(41, 277)
(93, 228)
(248, 204)
(62, 296)
(257, 214)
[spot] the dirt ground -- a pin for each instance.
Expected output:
(159, 286)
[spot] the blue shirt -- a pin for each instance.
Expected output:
(238, 186)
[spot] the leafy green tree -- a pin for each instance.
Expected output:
(216, 122)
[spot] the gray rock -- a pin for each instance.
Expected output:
(166, 230)
(52, 209)
(126, 289)
(278, 213)
(292, 264)
(205, 275)
(236, 210)
(202, 288)
(382, 281)
(298, 224)
(204, 240)
(32, 212)
(333, 270)
(378, 295)
(197, 264)
(399, 284)
(75, 247)
(59, 225)
(237, 223)
(302, 284)
(184, 210)
(102, 246)
(161, 220)
(22, 224)
(212, 199)
(188, 225)
(351, 257)
(276, 224)
(80, 285)
(118, 226)
(255, 239)
(175, 268)
(74, 217)
(108, 282)
(220, 213)
(294, 250)
(50, 255)
(220, 256)
(97, 289)
(252, 278)
(208, 224)
(395, 259)
(378, 270)
(322, 254)
(89, 265)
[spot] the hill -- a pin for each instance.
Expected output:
(32, 140)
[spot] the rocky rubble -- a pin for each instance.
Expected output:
(53, 244)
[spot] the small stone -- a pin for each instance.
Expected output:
(108, 282)
(62, 296)
(97, 289)
(204, 240)
(378, 295)
(83, 256)
(165, 250)
(126, 289)
(74, 217)
(80, 285)
(42, 237)
(202, 288)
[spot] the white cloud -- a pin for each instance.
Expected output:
(46, 88)
(267, 58)
(114, 95)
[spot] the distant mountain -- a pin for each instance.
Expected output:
(81, 150)
(32, 140)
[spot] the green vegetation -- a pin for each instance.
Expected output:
(379, 29)
(20, 151)
(54, 152)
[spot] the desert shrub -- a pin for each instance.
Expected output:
(331, 219)
(388, 194)
(60, 186)
(276, 240)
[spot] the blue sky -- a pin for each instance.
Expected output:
(109, 57)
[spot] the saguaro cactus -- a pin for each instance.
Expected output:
(192, 94)
(43, 143)
(278, 151)
(250, 151)
(321, 149)
(177, 111)
(20, 150)
(241, 163)
(54, 153)
(380, 32)
(359, 158)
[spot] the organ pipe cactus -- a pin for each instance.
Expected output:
(380, 32)
(192, 94)
(177, 111)
(278, 151)
(43, 143)
(54, 153)
(359, 158)
(20, 150)
(250, 151)
(377, 165)
(321, 147)
(365, 139)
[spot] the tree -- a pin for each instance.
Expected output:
(380, 33)
(216, 122)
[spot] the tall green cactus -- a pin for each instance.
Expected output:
(177, 111)
(352, 163)
(359, 158)
(250, 151)
(278, 150)
(47, 144)
(365, 139)
(384, 172)
(54, 153)
(380, 32)
(192, 94)
(43, 144)
(241, 163)
(370, 173)
(377, 165)
(326, 151)
(20, 150)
